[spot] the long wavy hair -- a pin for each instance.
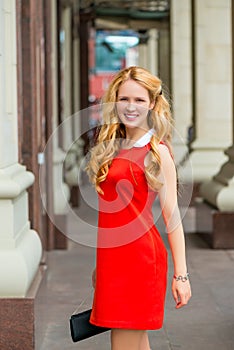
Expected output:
(113, 130)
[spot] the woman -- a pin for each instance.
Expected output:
(131, 164)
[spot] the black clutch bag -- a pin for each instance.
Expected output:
(81, 328)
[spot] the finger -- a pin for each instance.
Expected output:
(178, 305)
(176, 296)
(183, 301)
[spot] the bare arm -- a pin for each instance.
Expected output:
(168, 200)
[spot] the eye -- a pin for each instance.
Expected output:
(123, 99)
(140, 100)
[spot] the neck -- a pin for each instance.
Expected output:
(133, 134)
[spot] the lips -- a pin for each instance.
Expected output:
(131, 116)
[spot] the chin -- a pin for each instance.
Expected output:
(130, 125)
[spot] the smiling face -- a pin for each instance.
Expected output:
(133, 105)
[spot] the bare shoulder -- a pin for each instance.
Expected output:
(167, 161)
(163, 149)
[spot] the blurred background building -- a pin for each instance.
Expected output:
(56, 58)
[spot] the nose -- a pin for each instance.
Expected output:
(130, 107)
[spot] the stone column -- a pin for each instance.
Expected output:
(148, 50)
(219, 191)
(61, 192)
(215, 214)
(142, 51)
(66, 83)
(20, 247)
(213, 87)
(153, 51)
(71, 168)
(78, 141)
(181, 77)
(164, 58)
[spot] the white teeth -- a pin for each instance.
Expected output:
(130, 116)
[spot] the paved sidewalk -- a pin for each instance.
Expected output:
(207, 323)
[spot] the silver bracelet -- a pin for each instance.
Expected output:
(182, 278)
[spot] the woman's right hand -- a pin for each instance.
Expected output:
(94, 278)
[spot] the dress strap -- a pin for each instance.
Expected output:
(148, 146)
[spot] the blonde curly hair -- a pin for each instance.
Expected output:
(112, 130)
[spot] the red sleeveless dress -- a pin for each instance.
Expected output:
(131, 260)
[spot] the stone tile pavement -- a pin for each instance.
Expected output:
(207, 323)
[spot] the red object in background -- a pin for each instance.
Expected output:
(98, 84)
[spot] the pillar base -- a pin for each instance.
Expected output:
(214, 226)
(219, 191)
(17, 318)
(206, 163)
(21, 247)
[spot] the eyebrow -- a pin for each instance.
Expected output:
(134, 97)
